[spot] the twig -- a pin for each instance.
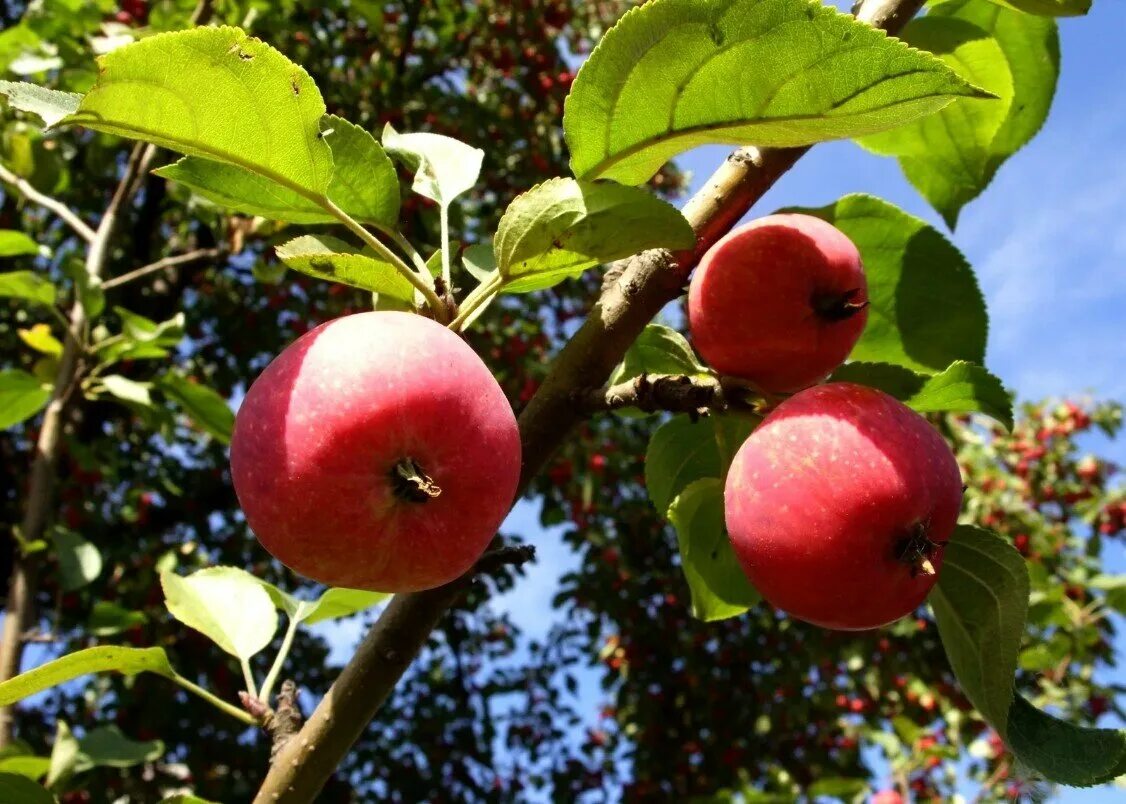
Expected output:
(678, 393)
(160, 265)
(648, 282)
(58, 207)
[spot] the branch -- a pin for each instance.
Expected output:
(162, 264)
(678, 393)
(648, 282)
(58, 207)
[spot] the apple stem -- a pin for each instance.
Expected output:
(411, 483)
(839, 306)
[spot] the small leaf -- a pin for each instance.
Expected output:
(479, 261)
(225, 604)
(837, 787)
(204, 406)
(16, 244)
(21, 397)
(107, 658)
(27, 285)
(145, 330)
(328, 258)
(16, 789)
(364, 182)
(657, 350)
(64, 755)
(682, 451)
(1048, 8)
(926, 310)
(30, 766)
(336, 603)
(51, 106)
(719, 586)
(444, 168)
(108, 618)
(40, 339)
(980, 603)
(127, 390)
(561, 227)
(673, 74)
(107, 747)
(80, 561)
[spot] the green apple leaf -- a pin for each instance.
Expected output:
(980, 604)
(1063, 752)
(107, 658)
(675, 74)
(329, 258)
(480, 261)
(144, 330)
(16, 244)
(225, 604)
(50, 105)
(107, 747)
(962, 388)
(719, 586)
(27, 285)
(337, 602)
(21, 396)
(658, 350)
(561, 227)
(80, 561)
(926, 309)
(242, 190)
(444, 168)
(127, 390)
(108, 618)
(17, 789)
(39, 338)
(206, 408)
(1048, 8)
(682, 451)
(219, 94)
(952, 156)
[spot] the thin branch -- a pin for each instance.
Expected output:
(58, 207)
(626, 306)
(160, 265)
(677, 393)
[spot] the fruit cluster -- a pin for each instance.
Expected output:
(839, 504)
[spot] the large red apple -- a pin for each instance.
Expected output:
(839, 504)
(376, 452)
(780, 301)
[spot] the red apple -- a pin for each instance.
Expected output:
(780, 302)
(839, 504)
(887, 797)
(376, 452)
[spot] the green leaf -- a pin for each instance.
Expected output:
(145, 330)
(837, 787)
(127, 390)
(21, 397)
(336, 603)
(961, 388)
(719, 587)
(219, 94)
(1048, 8)
(108, 618)
(107, 747)
(32, 767)
(27, 285)
(225, 604)
(479, 261)
(48, 104)
(40, 339)
(657, 350)
(16, 244)
(205, 407)
(561, 227)
(16, 789)
(926, 310)
(1062, 752)
(675, 74)
(682, 451)
(980, 604)
(328, 258)
(444, 168)
(80, 561)
(184, 798)
(952, 156)
(364, 183)
(107, 658)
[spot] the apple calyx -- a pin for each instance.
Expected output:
(839, 306)
(411, 484)
(917, 548)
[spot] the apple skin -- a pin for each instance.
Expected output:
(887, 797)
(780, 301)
(318, 437)
(821, 498)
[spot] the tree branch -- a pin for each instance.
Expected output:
(648, 282)
(677, 393)
(58, 207)
(198, 255)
